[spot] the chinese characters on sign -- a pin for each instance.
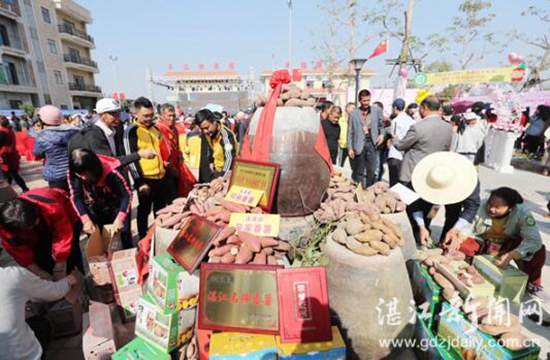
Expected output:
(259, 176)
(256, 224)
(190, 245)
(245, 196)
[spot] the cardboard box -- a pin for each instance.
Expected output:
(303, 305)
(509, 283)
(333, 350)
(426, 293)
(127, 301)
(242, 346)
(124, 269)
(458, 331)
(166, 331)
(99, 250)
(162, 239)
(98, 340)
(140, 349)
(430, 347)
(171, 286)
(477, 290)
(66, 319)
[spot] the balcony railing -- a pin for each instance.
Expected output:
(79, 60)
(67, 29)
(10, 5)
(84, 87)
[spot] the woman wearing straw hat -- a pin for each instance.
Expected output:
(450, 179)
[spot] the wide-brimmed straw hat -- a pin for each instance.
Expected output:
(444, 178)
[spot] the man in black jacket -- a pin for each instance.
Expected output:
(105, 136)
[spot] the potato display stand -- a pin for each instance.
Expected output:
(357, 284)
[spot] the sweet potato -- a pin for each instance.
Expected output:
(173, 220)
(268, 242)
(496, 318)
(339, 235)
(352, 244)
(220, 251)
(224, 234)
(365, 250)
(233, 207)
(283, 246)
(380, 203)
(244, 256)
(271, 260)
(257, 210)
(294, 102)
(180, 201)
(234, 240)
(260, 259)
(354, 227)
(515, 341)
(442, 281)
(499, 329)
(223, 215)
(400, 206)
(214, 211)
(391, 240)
(381, 247)
(228, 258)
(179, 225)
(268, 251)
(369, 235)
(215, 259)
(251, 241)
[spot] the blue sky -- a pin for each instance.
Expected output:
(156, 33)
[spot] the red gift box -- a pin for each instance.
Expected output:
(303, 305)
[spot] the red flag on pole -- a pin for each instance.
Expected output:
(380, 49)
(185, 67)
(303, 65)
(201, 67)
(216, 66)
(231, 66)
(170, 67)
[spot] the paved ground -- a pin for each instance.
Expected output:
(533, 187)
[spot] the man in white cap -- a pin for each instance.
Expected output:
(445, 178)
(104, 137)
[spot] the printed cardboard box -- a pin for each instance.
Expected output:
(171, 286)
(127, 301)
(328, 350)
(510, 283)
(427, 294)
(140, 349)
(241, 346)
(429, 347)
(124, 269)
(98, 340)
(99, 249)
(458, 331)
(166, 331)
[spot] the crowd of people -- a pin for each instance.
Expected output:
(407, 137)
(94, 167)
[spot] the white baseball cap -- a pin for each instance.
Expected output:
(107, 105)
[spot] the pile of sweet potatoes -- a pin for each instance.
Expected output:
(232, 247)
(368, 235)
(340, 200)
(291, 95)
(385, 201)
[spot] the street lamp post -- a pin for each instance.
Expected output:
(357, 65)
(114, 59)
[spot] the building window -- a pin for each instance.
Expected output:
(47, 99)
(310, 83)
(27, 3)
(34, 33)
(46, 15)
(64, 107)
(52, 46)
(79, 80)
(58, 77)
(11, 73)
(4, 38)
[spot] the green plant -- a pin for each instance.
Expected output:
(309, 246)
(28, 109)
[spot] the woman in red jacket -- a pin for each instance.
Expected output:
(9, 157)
(41, 231)
(100, 193)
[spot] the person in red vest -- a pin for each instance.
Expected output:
(41, 231)
(9, 157)
(171, 151)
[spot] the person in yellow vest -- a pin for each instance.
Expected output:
(222, 146)
(154, 186)
(343, 122)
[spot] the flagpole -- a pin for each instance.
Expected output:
(289, 2)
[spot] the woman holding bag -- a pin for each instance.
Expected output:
(100, 193)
